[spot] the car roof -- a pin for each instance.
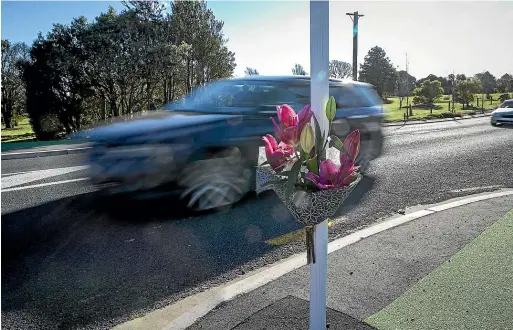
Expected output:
(297, 78)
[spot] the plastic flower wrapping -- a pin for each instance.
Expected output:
(312, 188)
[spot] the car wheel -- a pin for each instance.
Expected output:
(494, 124)
(219, 180)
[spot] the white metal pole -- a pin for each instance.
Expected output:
(319, 91)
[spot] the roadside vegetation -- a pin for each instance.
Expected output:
(143, 57)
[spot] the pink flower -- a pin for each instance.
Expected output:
(286, 115)
(291, 124)
(331, 177)
(352, 143)
(277, 154)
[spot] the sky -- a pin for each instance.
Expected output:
(271, 36)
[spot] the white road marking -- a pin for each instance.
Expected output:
(185, 312)
(43, 184)
(476, 188)
(23, 178)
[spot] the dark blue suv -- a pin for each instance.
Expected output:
(205, 146)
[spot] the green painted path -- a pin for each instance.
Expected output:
(472, 290)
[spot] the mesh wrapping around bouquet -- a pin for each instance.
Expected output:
(312, 208)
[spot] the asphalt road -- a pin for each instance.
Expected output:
(70, 259)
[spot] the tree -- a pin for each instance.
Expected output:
(298, 70)
(251, 72)
(13, 89)
(122, 62)
(405, 84)
(429, 90)
(466, 90)
(446, 82)
(505, 83)
(461, 77)
(487, 81)
(340, 69)
(378, 71)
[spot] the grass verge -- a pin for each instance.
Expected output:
(473, 290)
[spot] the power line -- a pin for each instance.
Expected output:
(354, 17)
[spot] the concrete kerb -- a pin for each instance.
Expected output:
(43, 153)
(434, 121)
(185, 312)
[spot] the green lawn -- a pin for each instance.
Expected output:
(22, 137)
(393, 113)
(23, 132)
(472, 290)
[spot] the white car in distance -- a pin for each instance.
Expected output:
(503, 114)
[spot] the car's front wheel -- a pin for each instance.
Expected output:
(219, 179)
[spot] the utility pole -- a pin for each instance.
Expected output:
(453, 89)
(354, 17)
(407, 83)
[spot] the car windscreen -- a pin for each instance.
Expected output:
(507, 104)
(234, 94)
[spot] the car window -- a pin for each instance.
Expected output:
(507, 104)
(303, 95)
(236, 93)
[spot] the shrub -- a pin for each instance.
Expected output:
(447, 115)
(458, 114)
(387, 101)
(471, 113)
(504, 97)
(446, 98)
(419, 100)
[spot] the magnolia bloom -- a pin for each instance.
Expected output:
(274, 150)
(291, 124)
(333, 177)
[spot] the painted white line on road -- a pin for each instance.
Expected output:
(476, 188)
(469, 200)
(24, 178)
(185, 312)
(43, 184)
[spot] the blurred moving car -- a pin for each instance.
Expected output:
(206, 146)
(503, 114)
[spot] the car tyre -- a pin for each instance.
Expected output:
(220, 179)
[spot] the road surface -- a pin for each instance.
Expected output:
(71, 260)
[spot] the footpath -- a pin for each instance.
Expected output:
(445, 266)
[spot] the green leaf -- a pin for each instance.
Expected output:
(318, 136)
(312, 165)
(335, 142)
(331, 108)
(291, 182)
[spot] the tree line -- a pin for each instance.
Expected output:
(144, 56)
(337, 69)
(378, 70)
(120, 63)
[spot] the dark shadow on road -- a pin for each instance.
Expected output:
(68, 264)
(356, 195)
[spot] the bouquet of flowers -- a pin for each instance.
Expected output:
(312, 188)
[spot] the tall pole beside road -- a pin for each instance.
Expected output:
(319, 91)
(354, 17)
